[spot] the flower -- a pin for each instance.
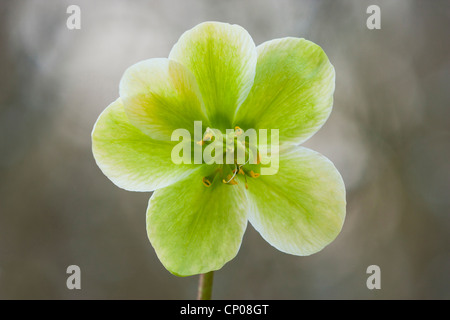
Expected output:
(216, 76)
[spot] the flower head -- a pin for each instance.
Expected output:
(217, 86)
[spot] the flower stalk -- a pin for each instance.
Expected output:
(205, 284)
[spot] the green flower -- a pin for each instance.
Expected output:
(198, 213)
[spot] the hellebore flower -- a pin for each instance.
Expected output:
(216, 76)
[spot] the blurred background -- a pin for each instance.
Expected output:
(388, 135)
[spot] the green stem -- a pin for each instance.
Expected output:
(205, 286)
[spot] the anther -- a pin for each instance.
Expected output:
(230, 180)
(231, 177)
(238, 131)
(206, 182)
(208, 136)
(254, 174)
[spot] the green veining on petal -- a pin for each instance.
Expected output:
(196, 218)
(160, 96)
(301, 209)
(292, 91)
(196, 229)
(131, 159)
(223, 60)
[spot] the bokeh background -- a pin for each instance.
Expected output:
(389, 136)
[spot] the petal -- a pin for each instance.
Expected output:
(130, 158)
(300, 209)
(196, 229)
(223, 60)
(160, 96)
(292, 92)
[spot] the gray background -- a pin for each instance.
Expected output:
(388, 135)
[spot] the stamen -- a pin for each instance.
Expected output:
(230, 180)
(206, 182)
(208, 137)
(254, 174)
(238, 169)
(229, 177)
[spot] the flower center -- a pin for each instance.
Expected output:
(239, 154)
